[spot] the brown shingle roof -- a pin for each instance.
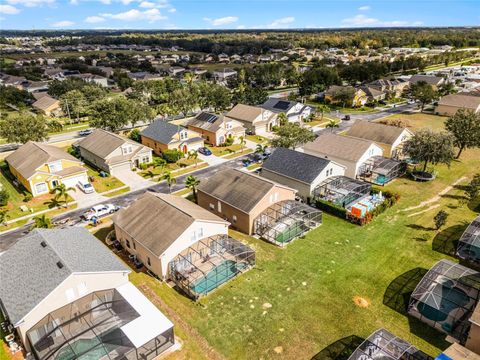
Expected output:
(245, 112)
(461, 100)
(156, 220)
(102, 143)
(343, 147)
(377, 132)
(45, 102)
(32, 155)
(237, 188)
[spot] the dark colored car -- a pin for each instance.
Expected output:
(246, 162)
(205, 151)
(346, 117)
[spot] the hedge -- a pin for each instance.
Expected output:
(331, 208)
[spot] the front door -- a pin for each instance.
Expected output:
(54, 183)
(185, 149)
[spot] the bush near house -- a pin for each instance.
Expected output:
(172, 156)
(330, 208)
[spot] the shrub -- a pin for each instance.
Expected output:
(27, 197)
(135, 135)
(172, 156)
(4, 196)
(331, 208)
(143, 166)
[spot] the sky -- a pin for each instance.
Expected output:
(234, 14)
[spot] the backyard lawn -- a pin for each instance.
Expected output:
(420, 120)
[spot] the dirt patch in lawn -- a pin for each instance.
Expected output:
(361, 302)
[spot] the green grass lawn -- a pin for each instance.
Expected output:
(420, 120)
(102, 184)
(238, 154)
(118, 192)
(180, 164)
(225, 150)
(257, 139)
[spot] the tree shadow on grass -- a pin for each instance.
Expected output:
(419, 227)
(446, 241)
(340, 349)
(474, 205)
(397, 294)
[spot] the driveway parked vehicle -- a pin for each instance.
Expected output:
(205, 151)
(86, 187)
(100, 210)
(346, 117)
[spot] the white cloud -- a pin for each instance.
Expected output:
(364, 8)
(94, 19)
(150, 15)
(240, 27)
(282, 23)
(106, 2)
(365, 21)
(8, 9)
(172, 10)
(73, 2)
(222, 21)
(31, 3)
(63, 24)
(147, 4)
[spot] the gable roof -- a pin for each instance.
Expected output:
(207, 121)
(161, 131)
(102, 143)
(377, 132)
(46, 102)
(32, 155)
(339, 146)
(30, 271)
(145, 220)
(237, 188)
(278, 105)
(429, 79)
(245, 112)
(296, 165)
(466, 101)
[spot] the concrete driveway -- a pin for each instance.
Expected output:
(86, 200)
(132, 179)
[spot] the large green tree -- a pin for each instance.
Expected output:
(74, 103)
(291, 136)
(429, 147)
(318, 79)
(423, 92)
(22, 127)
(465, 128)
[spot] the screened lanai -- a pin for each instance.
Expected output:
(380, 170)
(209, 263)
(285, 221)
(383, 345)
(446, 297)
(469, 244)
(341, 190)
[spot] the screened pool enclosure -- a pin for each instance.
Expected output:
(446, 297)
(386, 346)
(209, 263)
(285, 221)
(341, 190)
(92, 327)
(380, 170)
(469, 244)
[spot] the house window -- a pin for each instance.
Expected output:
(219, 206)
(70, 294)
(146, 159)
(55, 166)
(127, 150)
(212, 206)
(183, 135)
(148, 261)
(134, 246)
(41, 188)
(200, 233)
(234, 218)
(127, 243)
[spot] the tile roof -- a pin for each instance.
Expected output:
(156, 220)
(32, 155)
(30, 271)
(377, 132)
(295, 165)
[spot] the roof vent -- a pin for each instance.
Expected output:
(44, 244)
(60, 265)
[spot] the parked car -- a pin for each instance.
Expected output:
(85, 132)
(86, 187)
(246, 162)
(205, 151)
(99, 211)
(346, 118)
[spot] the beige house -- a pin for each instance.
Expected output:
(184, 249)
(161, 135)
(390, 138)
(459, 352)
(434, 81)
(450, 104)
(255, 205)
(47, 106)
(111, 152)
(255, 119)
(358, 97)
(61, 287)
(216, 129)
(348, 151)
(394, 87)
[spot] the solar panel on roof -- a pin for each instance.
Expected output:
(207, 117)
(282, 105)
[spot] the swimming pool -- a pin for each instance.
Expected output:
(215, 277)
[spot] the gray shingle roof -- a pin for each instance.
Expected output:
(161, 131)
(380, 133)
(295, 165)
(29, 271)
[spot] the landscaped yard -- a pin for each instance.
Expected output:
(257, 139)
(225, 150)
(176, 167)
(420, 120)
(102, 184)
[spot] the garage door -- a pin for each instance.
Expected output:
(195, 146)
(73, 181)
(121, 167)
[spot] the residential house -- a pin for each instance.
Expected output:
(107, 70)
(448, 105)
(216, 129)
(255, 119)
(256, 205)
(11, 80)
(176, 70)
(390, 138)
(40, 167)
(393, 87)
(48, 106)
(65, 294)
(299, 171)
(373, 94)
(94, 79)
(358, 97)
(186, 249)
(224, 74)
(35, 86)
(345, 150)
(144, 76)
(111, 152)
(434, 81)
(161, 135)
(459, 352)
(295, 111)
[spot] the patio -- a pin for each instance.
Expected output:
(380, 170)
(341, 190)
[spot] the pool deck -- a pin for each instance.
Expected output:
(203, 267)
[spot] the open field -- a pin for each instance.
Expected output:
(420, 120)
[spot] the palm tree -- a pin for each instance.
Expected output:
(3, 217)
(282, 118)
(61, 191)
(193, 154)
(242, 142)
(332, 124)
(260, 149)
(323, 109)
(170, 179)
(159, 162)
(191, 182)
(188, 77)
(41, 222)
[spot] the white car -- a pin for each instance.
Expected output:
(99, 211)
(86, 187)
